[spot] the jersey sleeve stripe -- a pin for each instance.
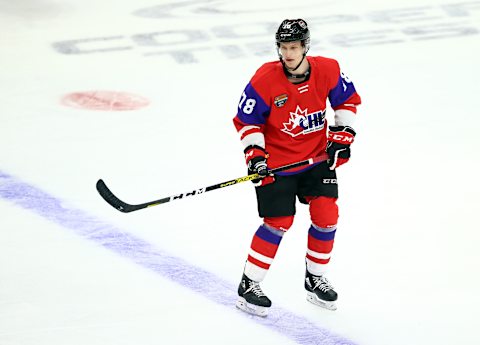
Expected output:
(344, 117)
(253, 139)
(249, 129)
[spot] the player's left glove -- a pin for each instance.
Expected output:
(338, 146)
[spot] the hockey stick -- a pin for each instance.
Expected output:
(122, 206)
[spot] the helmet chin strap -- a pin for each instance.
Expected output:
(289, 73)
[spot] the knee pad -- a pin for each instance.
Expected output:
(279, 223)
(324, 212)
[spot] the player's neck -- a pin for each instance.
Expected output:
(300, 71)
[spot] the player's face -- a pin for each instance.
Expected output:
(292, 53)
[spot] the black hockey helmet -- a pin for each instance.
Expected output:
(293, 30)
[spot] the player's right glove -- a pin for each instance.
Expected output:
(256, 158)
(338, 146)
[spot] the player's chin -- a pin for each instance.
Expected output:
(290, 64)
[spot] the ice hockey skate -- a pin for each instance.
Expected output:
(320, 292)
(251, 298)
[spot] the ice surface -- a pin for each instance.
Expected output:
(406, 256)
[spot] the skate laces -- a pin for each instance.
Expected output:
(255, 288)
(321, 283)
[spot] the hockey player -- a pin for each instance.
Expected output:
(281, 119)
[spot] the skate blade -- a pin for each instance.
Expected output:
(253, 309)
(312, 298)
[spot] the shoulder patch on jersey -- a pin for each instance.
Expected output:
(280, 100)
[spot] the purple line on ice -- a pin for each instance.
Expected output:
(295, 327)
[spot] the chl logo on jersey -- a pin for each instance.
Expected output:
(302, 122)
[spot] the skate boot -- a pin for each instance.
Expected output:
(251, 298)
(320, 291)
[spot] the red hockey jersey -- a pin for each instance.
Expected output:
(288, 119)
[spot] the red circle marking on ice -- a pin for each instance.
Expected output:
(105, 100)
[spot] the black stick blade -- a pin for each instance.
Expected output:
(109, 197)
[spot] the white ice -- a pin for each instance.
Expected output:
(406, 258)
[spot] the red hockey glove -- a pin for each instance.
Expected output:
(256, 158)
(338, 146)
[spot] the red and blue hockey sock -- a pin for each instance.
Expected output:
(320, 245)
(262, 252)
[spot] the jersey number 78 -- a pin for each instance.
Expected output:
(249, 104)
